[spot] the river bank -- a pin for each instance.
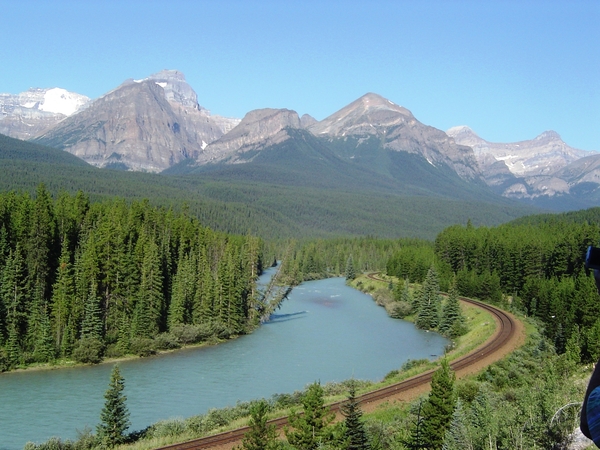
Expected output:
(326, 331)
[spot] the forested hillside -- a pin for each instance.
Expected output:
(85, 280)
(535, 266)
(273, 201)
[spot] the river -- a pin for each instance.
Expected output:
(326, 331)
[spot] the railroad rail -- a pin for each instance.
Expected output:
(506, 329)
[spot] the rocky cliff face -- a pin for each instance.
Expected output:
(373, 115)
(543, 155)
(144, 125)
(30, 113)
(526, 169)
(259, 129)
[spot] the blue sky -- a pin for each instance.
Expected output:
(508, 69)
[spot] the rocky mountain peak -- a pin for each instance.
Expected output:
(549, 136)
(175, 86)
(258, 129)
(141, 125)
(307, 120)
(542, 155)
(366, 115)
(464, 135)
(36, 110)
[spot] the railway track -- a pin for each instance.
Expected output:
(506, 330)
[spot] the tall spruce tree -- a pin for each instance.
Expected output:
(429, 305)
(261, 435)
(63, 298)
(458, 436)
(452, 321)
(354, 431)
(415, 440)
(312, 428)
(350, 270)
(439, 407)
(114, 418)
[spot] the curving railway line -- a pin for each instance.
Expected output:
(494, 348)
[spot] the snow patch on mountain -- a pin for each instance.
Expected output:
(61, 101)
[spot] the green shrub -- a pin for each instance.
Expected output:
(191, 334)
(142, 346)
(88, 351)
(167, 341)
(167, 428)
(113, 351)
(399, 310)
(414, 363)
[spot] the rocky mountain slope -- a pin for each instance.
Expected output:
(156, 124)
(144, 125)
(526, 169)
(30, 113)
(372, 116)
(258, 129)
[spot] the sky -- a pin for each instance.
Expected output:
(508, 69)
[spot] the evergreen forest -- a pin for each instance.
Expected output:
(83, 280)
(281, 200)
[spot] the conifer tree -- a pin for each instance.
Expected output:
(458, 436)
(397, 290)
(439, 407)
(415, 440)
(91, 326)
(149, 305)
(62, 297)
(13, 349)
(13, 292)
(354, 432)
(114, 418)
(184, 285)
(452, 321)
(429, 304)
(44, 346)
(312, 428)
(261, 435)
(350, 271)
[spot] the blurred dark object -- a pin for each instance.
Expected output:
(592, 258)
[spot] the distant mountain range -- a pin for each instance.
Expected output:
(156, 125)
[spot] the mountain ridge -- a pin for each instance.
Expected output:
(156, 124)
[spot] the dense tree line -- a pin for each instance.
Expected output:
(82, 280)
(536, 267)
(320, 258)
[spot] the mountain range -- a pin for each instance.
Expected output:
(157, 125)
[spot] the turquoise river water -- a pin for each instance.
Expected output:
(326, 331)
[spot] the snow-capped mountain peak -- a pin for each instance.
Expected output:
(61, 101)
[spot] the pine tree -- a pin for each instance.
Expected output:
(429, 304)
(63, 298)
(114, 418)
(91, 326)
(354, 432)
(13, 293)
(397, 290)
(184, 285)
(147, 313)
(44, 347)
(439, 407)
(458, 436)
(350, 271)
(452, 321)
(415, 440)
(261, 436)
(311, 429)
